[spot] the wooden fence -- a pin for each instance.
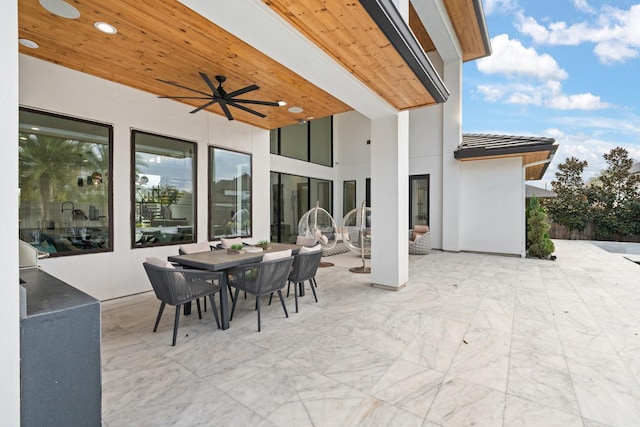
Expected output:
(589, 233)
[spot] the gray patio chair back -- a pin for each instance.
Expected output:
(176, 286)
(305, 267)
(260, 278)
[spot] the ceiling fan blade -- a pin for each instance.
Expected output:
(209, 83)
(184, 87)
(226, 111)
(203, 106)
(248, 110)
(255, 101)
(185, 97)
(243, 90)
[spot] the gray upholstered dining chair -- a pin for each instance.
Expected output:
(177, 286)
(305, 266)
(261, 278)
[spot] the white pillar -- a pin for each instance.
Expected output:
(451, 138)
(9, 299)
(390, 201)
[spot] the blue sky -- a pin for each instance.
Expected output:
(565, 69)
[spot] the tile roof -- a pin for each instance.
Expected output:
(480, 145)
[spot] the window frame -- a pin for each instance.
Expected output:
(109, 174)
(308, 124)
(210, 152)
(132, 190)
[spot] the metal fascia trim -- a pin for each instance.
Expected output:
(396, 29)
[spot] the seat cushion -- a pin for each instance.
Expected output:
(306, 241)
(419, 230)
(195, 248)
(270, 256)
(307, 249)
(159, 262)
(227, 243)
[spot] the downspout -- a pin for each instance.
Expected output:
(523, 246)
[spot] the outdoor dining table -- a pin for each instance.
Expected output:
(222, 260)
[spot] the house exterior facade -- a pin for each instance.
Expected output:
(372, 141)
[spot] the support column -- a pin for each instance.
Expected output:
(390, 201)
(451, 170)
(9, 294)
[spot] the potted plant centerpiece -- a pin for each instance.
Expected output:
(236, 249)
(264, 244)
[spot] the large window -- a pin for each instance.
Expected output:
(310, 141)
(65, 171)
(163, 189)
(229, 194)
(291, 197)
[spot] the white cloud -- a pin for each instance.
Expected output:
(496, 6)
(582, 101)
(583, 6)
(510, 57)
(615, 32)
(548, 94)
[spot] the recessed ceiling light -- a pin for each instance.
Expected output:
(60, 8)
(28, 43)
(282, 103)
(105, 28)
(296, 109)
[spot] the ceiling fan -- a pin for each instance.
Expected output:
(220, 96)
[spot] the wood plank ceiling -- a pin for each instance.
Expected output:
(163, 39)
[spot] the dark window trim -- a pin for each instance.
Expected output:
(132, 189)
(210, 150)
(308, 160)
(427, 177)
(109, 194)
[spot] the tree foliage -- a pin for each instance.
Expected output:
(611, 200)
(539, 245)
(570, 207)
(614, 197)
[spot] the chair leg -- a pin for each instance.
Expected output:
(199, 311)
(288, 286)
(258, 308)
(214, 309)
(314, 281)
(295, 294)
(313, 289)
(233, 306)
(205, 304)
(162, 304)
(175, 325)
(284, 307)
(270, 298)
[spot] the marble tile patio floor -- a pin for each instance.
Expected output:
(473, 339)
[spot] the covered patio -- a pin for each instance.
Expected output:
(475, 339)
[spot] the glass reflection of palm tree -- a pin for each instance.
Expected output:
(48, 166)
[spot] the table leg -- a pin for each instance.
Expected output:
(186, 308)
(224, 302)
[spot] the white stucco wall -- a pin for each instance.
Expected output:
(9, 300)
(53, 88)
(492, 206)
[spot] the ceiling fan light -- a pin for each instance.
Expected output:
(105, 28)
(282, 103)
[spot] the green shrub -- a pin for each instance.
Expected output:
(539, 245)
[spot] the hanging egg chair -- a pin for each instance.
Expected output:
(319, 224)
(356, 227)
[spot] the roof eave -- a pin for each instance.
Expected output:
(397, 30)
